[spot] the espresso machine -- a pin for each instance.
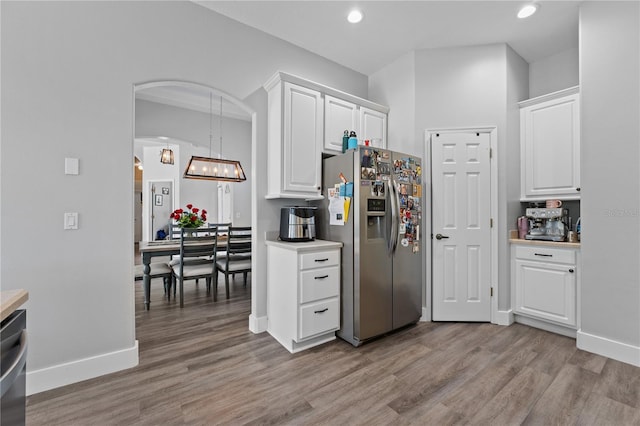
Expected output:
(547, 224)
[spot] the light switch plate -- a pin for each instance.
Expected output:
(71, 220)
(71, 166)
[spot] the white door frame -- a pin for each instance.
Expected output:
(493, 134)
(147, 231)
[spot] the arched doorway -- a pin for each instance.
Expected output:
(178, 115)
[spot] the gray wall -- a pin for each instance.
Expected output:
(477, 86)
(68, 72)
(610, 150)
(460, 87)
(553, 73)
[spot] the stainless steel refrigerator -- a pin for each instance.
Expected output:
(382, 255)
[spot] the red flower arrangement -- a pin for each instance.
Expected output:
(190, 218)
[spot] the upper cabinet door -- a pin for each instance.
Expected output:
(339, 115)
(302, 139)
(550, 148)
(373, 126)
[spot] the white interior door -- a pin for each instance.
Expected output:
(161, 202)
(225, 203)
(461, 214)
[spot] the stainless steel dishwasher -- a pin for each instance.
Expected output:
(13, 365)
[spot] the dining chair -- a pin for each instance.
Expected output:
(197, 257)
(158, 270)
(238, 258)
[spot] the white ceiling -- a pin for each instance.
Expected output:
(392, 28)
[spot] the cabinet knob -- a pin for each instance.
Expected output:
(571, 270)
(578, 189)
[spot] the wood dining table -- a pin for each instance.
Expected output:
(151, 249)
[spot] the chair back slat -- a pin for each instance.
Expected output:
(239, 240)
(198, 242)
(223, 228)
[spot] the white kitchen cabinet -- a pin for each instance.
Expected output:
(306, 119)
(295, 137)
(373, 126)
(339, 115)
(545, 283)
(303, 292)
(550, 146)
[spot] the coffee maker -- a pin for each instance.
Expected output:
(547, 224)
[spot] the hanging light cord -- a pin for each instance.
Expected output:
(210, 122)
(220, 153)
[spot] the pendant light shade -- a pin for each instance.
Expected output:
(166, 157)
(209, 168)
(214, 169)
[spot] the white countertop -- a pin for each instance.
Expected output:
(513, 239)
(304, 246)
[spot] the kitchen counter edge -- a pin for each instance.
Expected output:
(11, 300)
(559, 244)
(304, 246)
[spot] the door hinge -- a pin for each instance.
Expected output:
(490, 152)
(491, 291)
(491, 223)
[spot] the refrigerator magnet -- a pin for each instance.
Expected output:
(416, 247)
(402, 229)
(404, 242)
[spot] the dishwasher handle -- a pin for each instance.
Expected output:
(8, 378)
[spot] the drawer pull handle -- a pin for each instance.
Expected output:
(321, 278)
(321, 260)
(543, 255)
(319, 312)
(571, 270)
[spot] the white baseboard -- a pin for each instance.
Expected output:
(503, 318)
(83, 369)
(257, 324)
(426, 315)
(619, 351)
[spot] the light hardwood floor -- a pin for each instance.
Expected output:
(201, 365)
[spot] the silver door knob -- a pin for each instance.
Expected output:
(440, 236)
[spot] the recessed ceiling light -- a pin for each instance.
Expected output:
(164, 138)
(354, 16)
(527, 10)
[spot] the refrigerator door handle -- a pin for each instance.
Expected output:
(393, 217)
(398, 218)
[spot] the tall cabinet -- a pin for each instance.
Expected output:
(307, 119)
(295, 140)
(550, 146)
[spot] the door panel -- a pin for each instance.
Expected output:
(161, 207)
(461, 217)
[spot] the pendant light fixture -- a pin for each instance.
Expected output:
(210, 168)
(166, 156)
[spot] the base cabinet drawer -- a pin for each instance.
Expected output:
(319, 284)
(546, 254)
(319, 317)
(319, 259)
